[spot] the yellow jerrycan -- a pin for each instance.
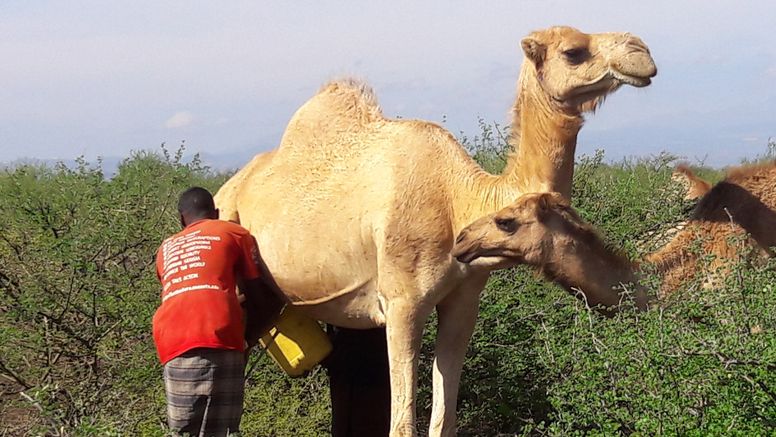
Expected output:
(296, 343)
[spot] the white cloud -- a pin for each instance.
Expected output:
(179, 119)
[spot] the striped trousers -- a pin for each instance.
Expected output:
(205, 389)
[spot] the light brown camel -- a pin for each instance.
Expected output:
(541, 230)
(226, 197)
(695, 187)
(356, 214)
(734, 220)
(692, 188)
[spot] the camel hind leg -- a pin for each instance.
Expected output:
(226, 198)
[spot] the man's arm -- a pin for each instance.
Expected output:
(262, 308)
(263, 301)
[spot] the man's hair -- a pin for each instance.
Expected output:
(196, 202)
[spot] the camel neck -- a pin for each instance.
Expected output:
(544, 140)
(585, 263)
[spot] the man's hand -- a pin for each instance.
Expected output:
(263, 300)
(262, 307)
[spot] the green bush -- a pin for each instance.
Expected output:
(78, 289)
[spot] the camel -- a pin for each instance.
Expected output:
(695, 187)
(734, 221)
(355, 214)
(692, 188)
(226, 197)
(543, 231)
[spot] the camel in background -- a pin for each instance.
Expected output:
(694, 186)
(734, 221)
(355, 214)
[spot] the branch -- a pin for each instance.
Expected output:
(13, 376)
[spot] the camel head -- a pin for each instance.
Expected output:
(577, 70)
(521, 233)
(694, 186)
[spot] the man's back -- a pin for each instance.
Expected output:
(198, 268)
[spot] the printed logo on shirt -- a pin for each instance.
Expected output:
(182, 259)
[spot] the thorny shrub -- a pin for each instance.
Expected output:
(77, 291)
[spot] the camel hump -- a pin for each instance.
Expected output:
(744, 172)
(353, 97)
(685, 170)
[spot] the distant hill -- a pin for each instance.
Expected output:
(219, 162)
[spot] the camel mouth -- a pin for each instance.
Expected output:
(589, 97)
(480, 258)
(465, 253)
(493, 262)
(581, 97)
(635, 81)
(466, 257)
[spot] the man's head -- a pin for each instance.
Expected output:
(194, 204)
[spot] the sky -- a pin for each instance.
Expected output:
(98, 78)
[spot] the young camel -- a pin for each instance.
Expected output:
(541, 230)
(734, 220)
(695, 187)
(356, 214)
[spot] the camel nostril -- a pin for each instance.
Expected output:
(461, 237)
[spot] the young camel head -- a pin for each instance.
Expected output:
(521, 233)
(577, 70)
(543, 231)
(694, 187)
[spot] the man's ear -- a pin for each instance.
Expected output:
(217, 214)
(534, 50)
(182, 220)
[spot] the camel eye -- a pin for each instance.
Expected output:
(575, 56)
(508, 225)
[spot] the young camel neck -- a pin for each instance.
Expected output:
(583, 262)
(543, 141)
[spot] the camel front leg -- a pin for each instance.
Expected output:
(404, 329)
(457, 315)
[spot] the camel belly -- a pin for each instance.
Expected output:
(340, 290)
(329, 270)
(356, 310)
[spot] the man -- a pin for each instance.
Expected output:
(198, 328)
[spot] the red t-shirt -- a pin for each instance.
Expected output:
(197, 268)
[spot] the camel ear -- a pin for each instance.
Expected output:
(558, 199)
(543, 204)
(547, 201)
(534, 50)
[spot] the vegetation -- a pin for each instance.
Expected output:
(78, 289)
